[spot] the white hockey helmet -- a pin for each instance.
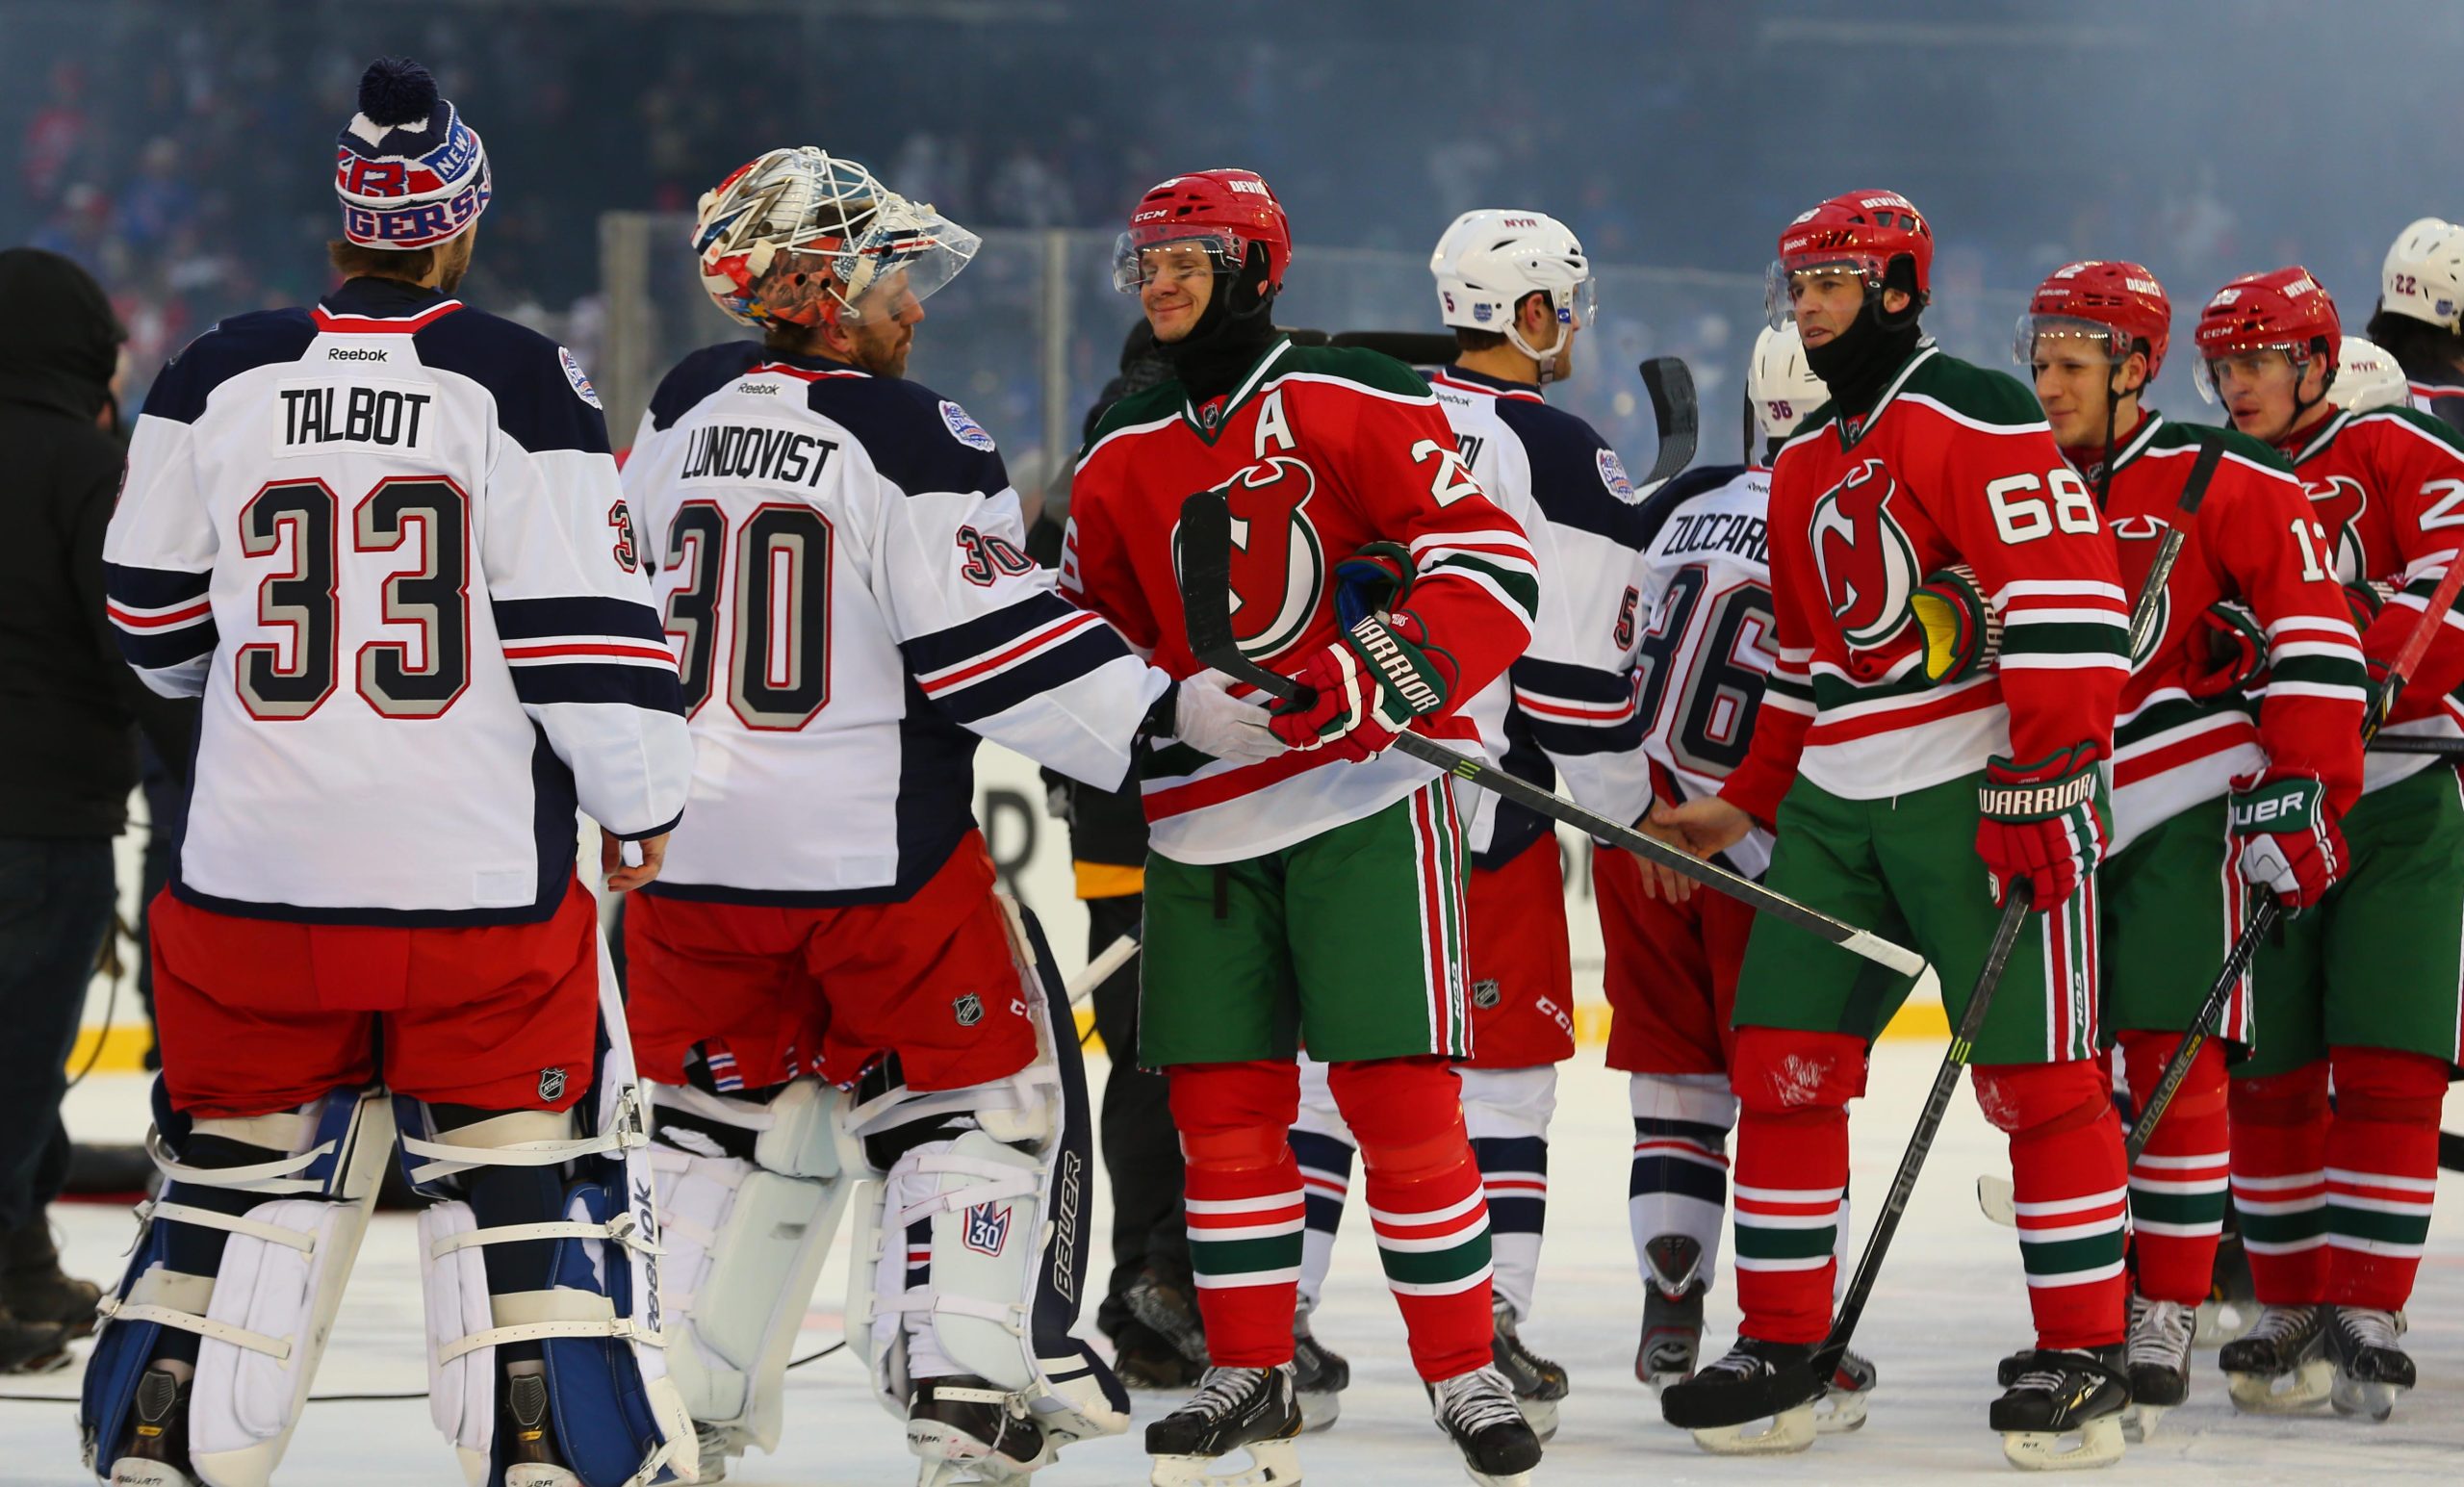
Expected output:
(1782, 387)
(1490, 259)
(801, 236)
(2424, 275)
(2368, 377)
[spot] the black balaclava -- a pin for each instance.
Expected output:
(1856, 365)
(1231, 334)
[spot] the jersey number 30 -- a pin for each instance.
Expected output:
(778, 599)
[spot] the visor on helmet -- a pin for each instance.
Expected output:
(2111, 342)
(1141, 252)
(1778, 304)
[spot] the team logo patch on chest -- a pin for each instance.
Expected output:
(1279, 564)
(2337, 502)
(1868, 566)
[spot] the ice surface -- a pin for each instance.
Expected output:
(1951, 1302)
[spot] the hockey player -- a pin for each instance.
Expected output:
(1881, 786)
(1315, 897)
(2194, 772)
(2367, 377)
(1515, 288)
(1702, 636)
(2335, 1202)
(840, 558)
(2420, 316)
(374, 918)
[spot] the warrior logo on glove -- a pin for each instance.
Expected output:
(1278, 565)
(1868, 565)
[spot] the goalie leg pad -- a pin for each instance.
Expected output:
(745, 1242)
(993, 1182)
(263, 1316)
(617, 1418)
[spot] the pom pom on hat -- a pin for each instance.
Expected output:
(396, 90)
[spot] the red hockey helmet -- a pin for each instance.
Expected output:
(2282, 310)
(1863, 230)
(2109, 299)
(1220, 211)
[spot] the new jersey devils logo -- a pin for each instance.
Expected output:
(2338, 502)
(1278, 567)
(1868, 565)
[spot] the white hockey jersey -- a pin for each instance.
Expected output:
(1566, 708)
(384, 539)
(843, 569)
(1707, 640)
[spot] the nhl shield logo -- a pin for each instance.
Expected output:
(987, 1228)
(1486, 994)
(969, 1010)
(552, 1083)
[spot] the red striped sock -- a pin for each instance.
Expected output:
(2177, 1186)
(2279, 1140)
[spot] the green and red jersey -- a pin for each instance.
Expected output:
(1954, 464)
(1320, 452)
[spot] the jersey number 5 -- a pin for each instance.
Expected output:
(777, 596)
(431, 593)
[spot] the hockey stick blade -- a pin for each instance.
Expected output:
(1670, 384)
(1205, 546)
(1787, 1388)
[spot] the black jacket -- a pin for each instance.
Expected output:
(67, 749)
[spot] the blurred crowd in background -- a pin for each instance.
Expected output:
(175, 148)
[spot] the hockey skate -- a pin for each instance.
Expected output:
(1170, 1311)
(1252, 1410)
(1751, 1360)
(2282, 1363)
(1478, 1409)
(2158, 1360)
(2058, 1393)
(1320, 1374)
(2370, 1370)
(1672, 1312)
(157, 1453)
(1842, 1408)
(966, 1430)
(531, 1444)
(1537, 1383)
(2232, 1301)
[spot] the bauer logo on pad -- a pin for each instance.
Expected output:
(987, 1228)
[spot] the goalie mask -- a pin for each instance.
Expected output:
(799, 237)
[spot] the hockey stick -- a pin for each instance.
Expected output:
(1205, 549)
(2403, 743)
(1994, 1195)
(1670, 383)
(1803, 1384)
(1100, 969)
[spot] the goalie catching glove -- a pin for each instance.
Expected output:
(1370, 684)
(2039, 823)
(2285, 838)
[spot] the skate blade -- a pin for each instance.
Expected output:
(952, 1457)
(2306, 1387)
(1319, 1410)
(536, 1473)
(2219, 1323)
(1840, 1412)
(1541, 1414)
(2041, 1450)
(2139, 1422)
(1789, 1431)
(131, 1471)
(1271, 1464)
(1510, 1479)
(2356, 1396)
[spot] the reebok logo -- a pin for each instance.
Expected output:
(355, 354)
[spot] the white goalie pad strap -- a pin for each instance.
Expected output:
(275, 1177)
(215, 1219)
(620, 1231)
(523, 1137)
(176, 1300)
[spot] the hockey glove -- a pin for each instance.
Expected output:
(1377, 580)
(1208, 718)
(2041, 824)
(1369, 686)
(2237, 649)
(2366, 600)
(2285, 838)
(1962, 634)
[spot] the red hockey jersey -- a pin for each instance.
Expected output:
(1954, 464)
(1319, 451)
(2252, 540)
(2387, 486)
